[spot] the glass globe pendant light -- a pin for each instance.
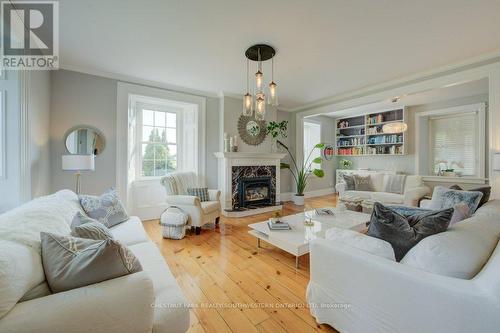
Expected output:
(247, 100)
(260, 106)
(272, 98)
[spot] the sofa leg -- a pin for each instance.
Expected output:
(217, 221)
(198, 230)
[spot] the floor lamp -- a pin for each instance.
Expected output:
(78, 163)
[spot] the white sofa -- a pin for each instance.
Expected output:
(414, 190)
(148, 301)
(200, 212)
(448, 282)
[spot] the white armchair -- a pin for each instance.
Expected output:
(200, 213)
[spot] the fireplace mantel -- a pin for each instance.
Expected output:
(226, 161)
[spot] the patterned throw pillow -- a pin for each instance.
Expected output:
(485, 190)
(362, 183)
(349, 182)
(200, 192)
(92, 230)
(106, 208)
(71, 262)
(80, 219)
(443, 197)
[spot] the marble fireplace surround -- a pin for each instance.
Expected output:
(231, 166)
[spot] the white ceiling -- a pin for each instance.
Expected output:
(325, 47)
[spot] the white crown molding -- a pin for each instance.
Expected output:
(482, 60)
(136, 80)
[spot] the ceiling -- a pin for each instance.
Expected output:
(324, 47)
(469, 89)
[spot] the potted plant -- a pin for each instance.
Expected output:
(277, 131)
(301, 175)
(345, 164)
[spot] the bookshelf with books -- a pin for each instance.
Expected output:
(363, 135)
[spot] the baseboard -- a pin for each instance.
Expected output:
(287, 196)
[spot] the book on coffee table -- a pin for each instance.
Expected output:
(278, 225)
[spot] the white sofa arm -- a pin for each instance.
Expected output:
(426, 203)
(376, 288)
(413, 195)
(214, 195)
(340, 187)
(121, 305)
(183, 200)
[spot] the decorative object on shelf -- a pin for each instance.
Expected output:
(328, 152)
(446, 169)
(277, 131)
(301, 175)
(276, 217)
(233, 142)
(260, 53)
(251, 130)
(393, 128)
(78, 163)
(345, 164)
(84, 140)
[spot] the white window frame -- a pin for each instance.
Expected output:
(420, 117)
(161, 107)
(306, 152)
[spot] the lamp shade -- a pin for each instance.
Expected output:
(78, 162)
(496, 162)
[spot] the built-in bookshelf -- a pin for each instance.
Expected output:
(362, 135)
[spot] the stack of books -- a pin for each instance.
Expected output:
(278, 225)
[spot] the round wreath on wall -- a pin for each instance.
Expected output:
(253, 132)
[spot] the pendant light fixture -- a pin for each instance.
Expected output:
(260, 53)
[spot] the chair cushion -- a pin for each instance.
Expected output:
(403, 233)
(210, 206)
(130, 232)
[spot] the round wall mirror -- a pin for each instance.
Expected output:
(84, 140)
(251, 131)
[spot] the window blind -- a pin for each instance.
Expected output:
(454, 143)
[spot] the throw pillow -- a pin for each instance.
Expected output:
(200, 192)
(362, 183)
(349, 182)
(394, 183)
(106, 208)
(443, 197)
(80, 219)
(405, 232)
(71, 262)
(92, 230)
(486, 190)
(407, 211)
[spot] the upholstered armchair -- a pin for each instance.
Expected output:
(200, 213)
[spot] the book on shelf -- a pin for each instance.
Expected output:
(278, 225)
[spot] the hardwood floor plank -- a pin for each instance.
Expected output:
(236, 287)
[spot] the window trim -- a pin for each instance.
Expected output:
(315, 122)
(421, 117)
(139, 107)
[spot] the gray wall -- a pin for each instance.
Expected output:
(82, 99)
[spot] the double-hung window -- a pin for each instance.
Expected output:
(312, 136)
(158, 131)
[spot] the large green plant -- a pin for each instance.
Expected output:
(300, 175)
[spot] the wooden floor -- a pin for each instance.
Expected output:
(232, 286)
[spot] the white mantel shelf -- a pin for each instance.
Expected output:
(241, 155)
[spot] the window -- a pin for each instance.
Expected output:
(158, 133)
(454, 144)
(312, 136)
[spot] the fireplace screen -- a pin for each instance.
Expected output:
(254, 191)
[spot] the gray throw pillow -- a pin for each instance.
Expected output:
(405, 232)
(200, 192)
(106, 208)
(80, 219)
(349, 182)
(71, 262)
(443, 197)
(485, 190)
(92, 230)
(362, 183)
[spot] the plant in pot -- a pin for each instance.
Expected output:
(277, 131)
(301, 174)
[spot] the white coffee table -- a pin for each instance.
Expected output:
(296, 241)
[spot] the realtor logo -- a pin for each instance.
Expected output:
(30, 36)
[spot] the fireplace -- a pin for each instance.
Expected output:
(255, 192)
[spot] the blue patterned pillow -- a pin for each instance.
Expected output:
(443, 197)
(407, 211)
(106, 208)
(200, 192)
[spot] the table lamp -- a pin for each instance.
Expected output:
(78, 163)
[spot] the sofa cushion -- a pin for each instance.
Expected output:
(361, 241)
(106, 208)
(377, 181)
(404, 233)
(388, 198)
(359, 194)
(130, 232)
(460, 252)
(71, 262)
(171, 307)
(20, 271)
